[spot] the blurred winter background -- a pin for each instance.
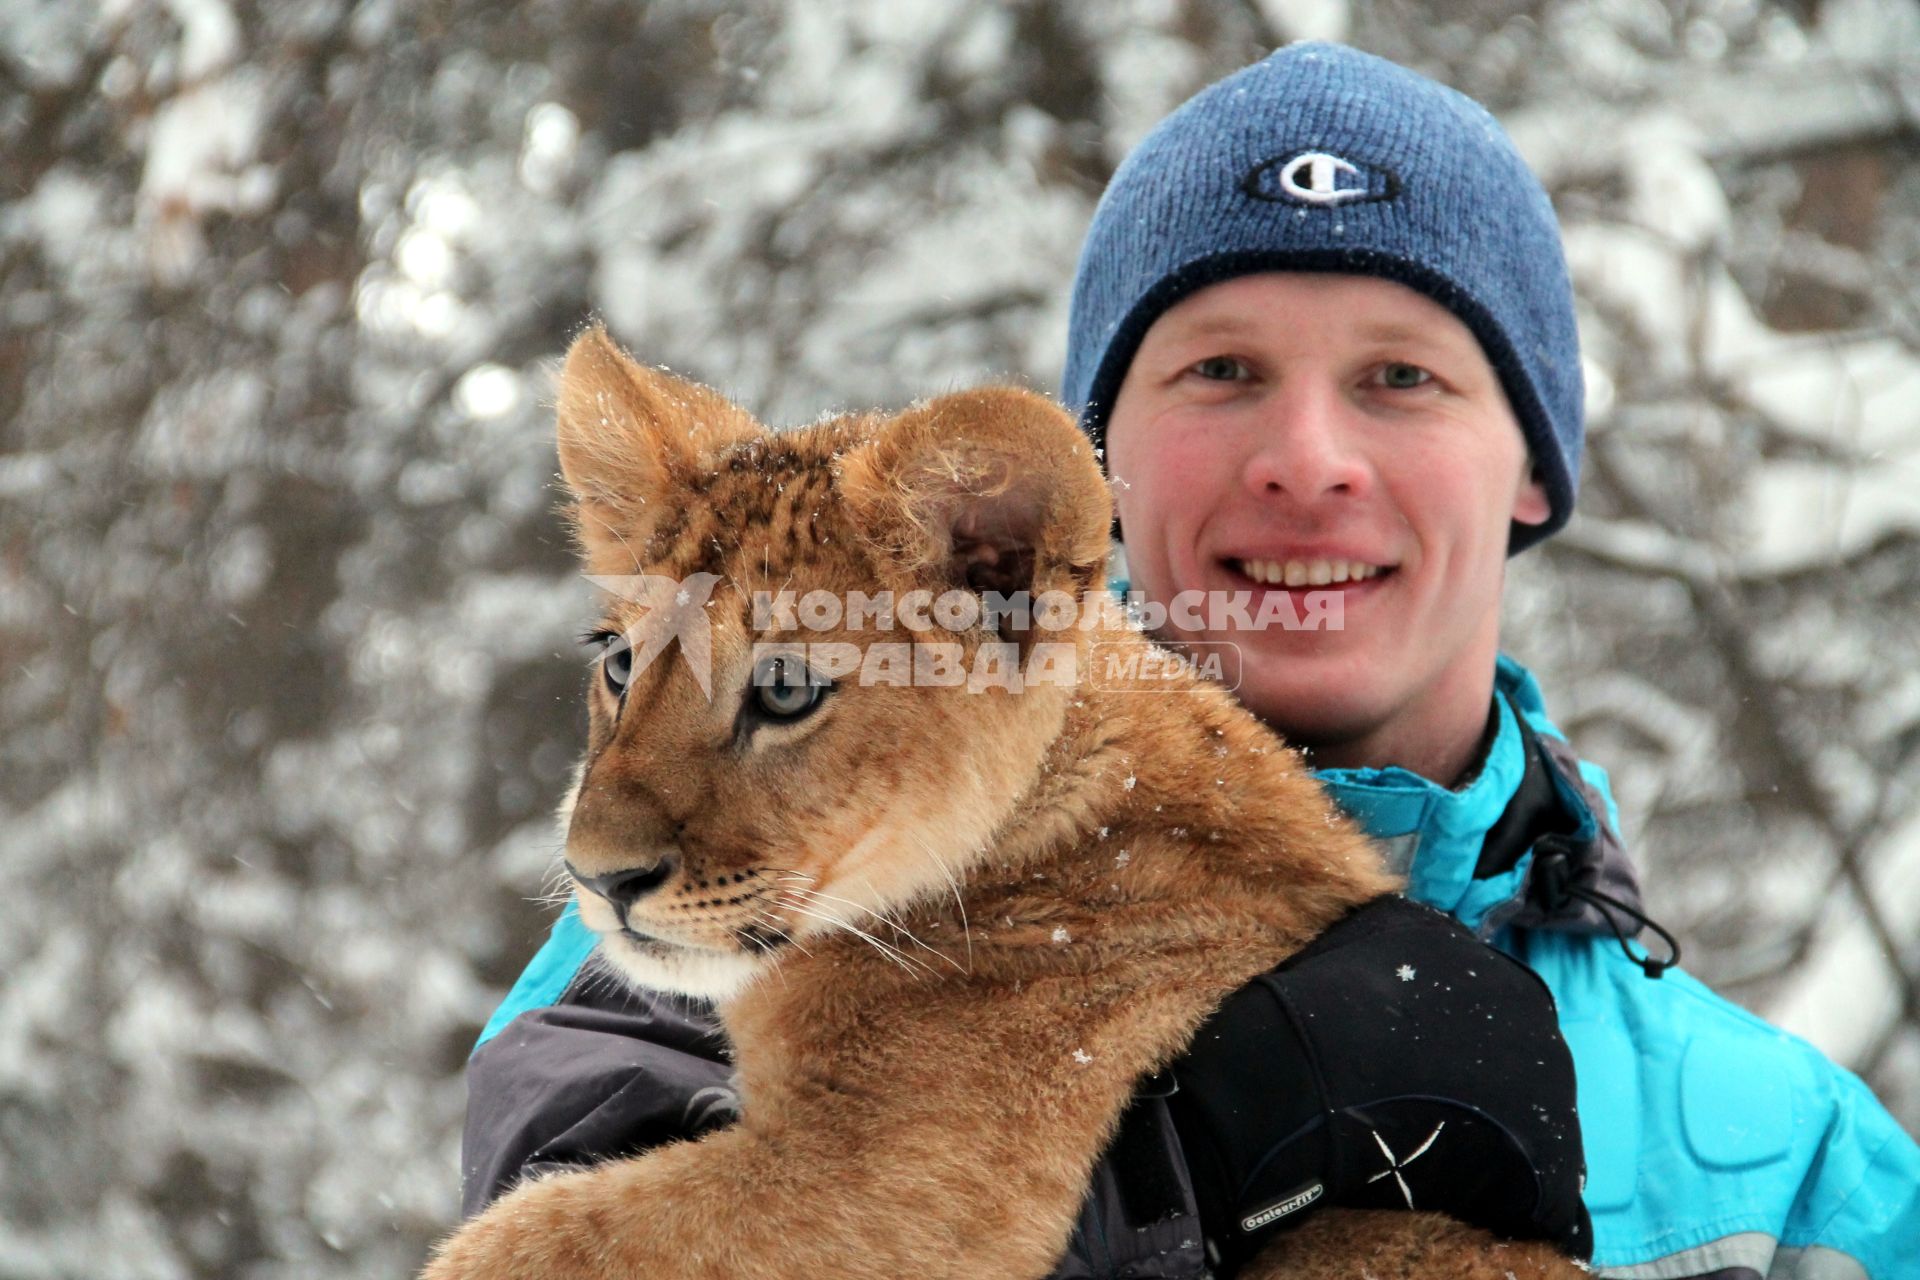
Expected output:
(287, 677)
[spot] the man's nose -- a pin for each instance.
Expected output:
(1306, 447)
(628, 885)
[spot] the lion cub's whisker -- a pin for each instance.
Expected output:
(558, 887)
(891, 952)
(966, 930)
(885, 919)
(825, 913)
(773, 926)
(601, 980)
(879, 914)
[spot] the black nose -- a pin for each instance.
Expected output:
(624, 888)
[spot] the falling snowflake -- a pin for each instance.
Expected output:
(1082, 1057)
(1405, 973)
(1060, 934)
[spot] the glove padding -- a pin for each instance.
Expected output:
(1394, 1062)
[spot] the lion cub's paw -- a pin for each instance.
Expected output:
(548, 1228)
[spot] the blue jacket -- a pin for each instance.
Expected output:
(1716, 1145)
(1714, 1142)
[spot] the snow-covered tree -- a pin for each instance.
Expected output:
(287, 680)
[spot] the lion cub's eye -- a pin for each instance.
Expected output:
(615, 657)
(784, 688)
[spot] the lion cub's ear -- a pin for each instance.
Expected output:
(629, 437)
(991, 490)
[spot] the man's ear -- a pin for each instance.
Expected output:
(1531, 504)
(628, 438)
(988, 490)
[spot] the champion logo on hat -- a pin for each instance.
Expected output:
(1321, 178)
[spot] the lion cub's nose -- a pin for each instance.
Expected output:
(626, 887)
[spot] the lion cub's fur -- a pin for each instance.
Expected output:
(1004, 908)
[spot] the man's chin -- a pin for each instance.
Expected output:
(1312, 703)
(658, 965)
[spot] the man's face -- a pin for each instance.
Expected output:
(1344, 427)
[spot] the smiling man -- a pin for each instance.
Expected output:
(1323, 327)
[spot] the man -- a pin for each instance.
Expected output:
(1406, 424)
(1323, 330)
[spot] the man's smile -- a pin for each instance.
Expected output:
(1315, 572)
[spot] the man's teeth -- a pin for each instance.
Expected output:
(1307, 573)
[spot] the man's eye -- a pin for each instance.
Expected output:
(1220, 369)
(1403, 377)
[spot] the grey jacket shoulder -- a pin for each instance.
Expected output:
(607, 1071)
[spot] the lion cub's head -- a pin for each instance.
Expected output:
(807, 708)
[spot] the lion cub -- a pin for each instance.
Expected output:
(954, 897)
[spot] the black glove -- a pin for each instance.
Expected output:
(1395, 1062)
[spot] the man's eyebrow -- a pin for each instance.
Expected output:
(1208, 326)
(1391, 331)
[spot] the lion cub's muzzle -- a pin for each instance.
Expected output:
(626, 886)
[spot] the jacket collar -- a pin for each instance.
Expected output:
(1469, 851)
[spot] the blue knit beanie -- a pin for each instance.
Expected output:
(1323, 158)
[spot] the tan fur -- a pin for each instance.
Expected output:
(1066, 881)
